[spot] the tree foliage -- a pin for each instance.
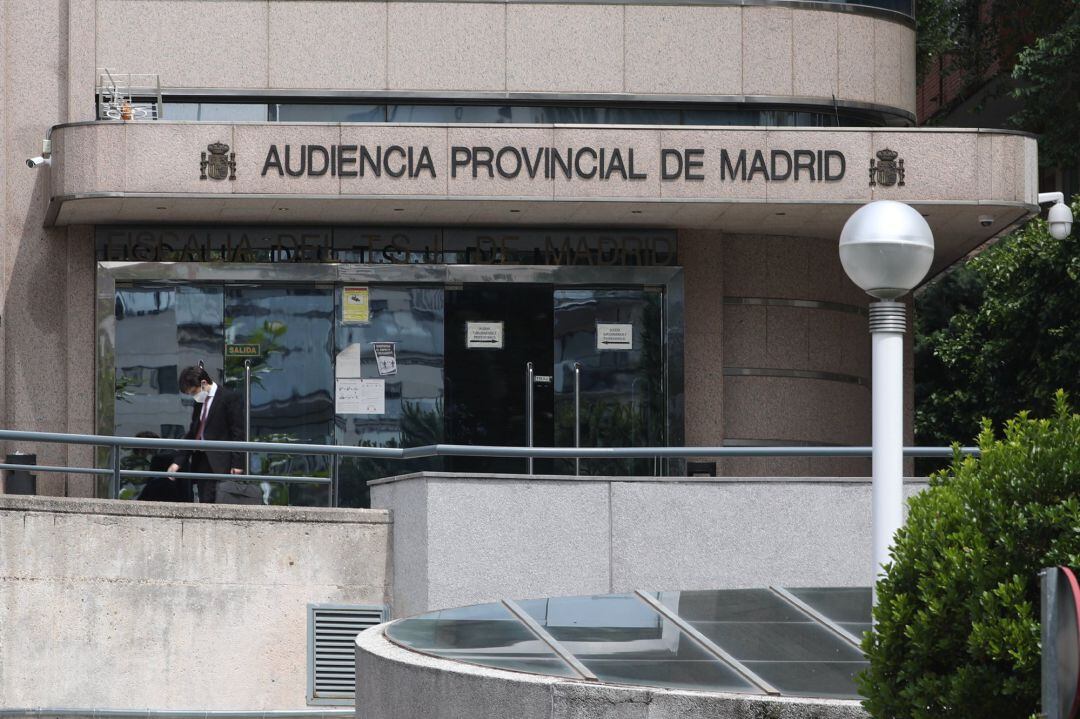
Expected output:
(957, 621)
(1000, 334)
(1048, 75)
(1036, 41)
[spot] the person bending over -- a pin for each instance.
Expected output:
(218, 415)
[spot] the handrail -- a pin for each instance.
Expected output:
(464, 450)
(115, 473)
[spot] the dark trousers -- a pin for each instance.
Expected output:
(207, 487)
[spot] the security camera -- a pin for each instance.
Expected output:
(1059, 219)
(38, 161)
(986, 220)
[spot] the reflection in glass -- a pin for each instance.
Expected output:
(291, 381)
(621, 639)
(448, 113)
(774, 639)
(215, 111)
(697, 114)
(326, 112)
(486, 634)
(847, 604)
(411, 318)
(160, 330)
(622, 390)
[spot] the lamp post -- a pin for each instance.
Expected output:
(886, 248)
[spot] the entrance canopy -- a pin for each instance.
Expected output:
(970, 184)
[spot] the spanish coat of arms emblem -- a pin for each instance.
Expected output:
(220, 164)
(887, 171)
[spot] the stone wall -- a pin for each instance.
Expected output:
(462, 539)
(135, 605)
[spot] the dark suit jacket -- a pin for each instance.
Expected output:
(162, 489)
(226, 423)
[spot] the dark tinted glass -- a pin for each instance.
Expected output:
(292, 383)
(327, 112)
(841, 604)
(412, 319)
(447, 113)
(772, 638)
(621, 639)
(622, 385)
(524, 114)
(158, 330)
(485, 634)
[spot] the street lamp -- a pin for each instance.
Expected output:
(886, 248)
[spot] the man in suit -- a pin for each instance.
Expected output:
(218, 415)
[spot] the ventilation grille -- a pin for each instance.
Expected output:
(332, 630)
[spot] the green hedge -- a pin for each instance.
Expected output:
(957, 621)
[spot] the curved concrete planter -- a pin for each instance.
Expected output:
(394, 683)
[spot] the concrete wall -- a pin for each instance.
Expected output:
(469, 539)
(661, 49)
(393, 683)
(135, 605)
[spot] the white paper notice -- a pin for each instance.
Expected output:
(614, 336)
(484, 335)
(361, 396)
(348, 361)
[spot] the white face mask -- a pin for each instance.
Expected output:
(201, 396)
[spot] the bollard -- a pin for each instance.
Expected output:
(20, 481)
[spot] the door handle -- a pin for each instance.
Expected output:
(529, 413)
(577, 416)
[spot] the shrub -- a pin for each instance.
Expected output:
(957, 621)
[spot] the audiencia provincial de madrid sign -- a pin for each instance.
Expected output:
(534, 163)
(547, 163)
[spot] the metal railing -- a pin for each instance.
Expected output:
(116, 444)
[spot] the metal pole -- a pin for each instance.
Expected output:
(529, 413)
(247, 413)
(114, 481)
(577, 416)
(335, 493)
(887, 325)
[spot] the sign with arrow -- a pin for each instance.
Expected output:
(614, 336)
(484, 335)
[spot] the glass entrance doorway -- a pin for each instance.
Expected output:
(595, 361)
(449, 359)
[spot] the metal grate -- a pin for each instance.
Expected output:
(332, 630)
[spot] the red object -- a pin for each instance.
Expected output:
(1074, 587)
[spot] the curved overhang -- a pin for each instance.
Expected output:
(971, 185)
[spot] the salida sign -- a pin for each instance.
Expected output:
(548, 163)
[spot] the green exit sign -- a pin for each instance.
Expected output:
(242, 351)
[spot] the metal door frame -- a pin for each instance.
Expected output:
(109, 274)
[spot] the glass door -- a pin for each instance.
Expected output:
(615, 337)
(493, 332)
(289, 332)
(160, 329)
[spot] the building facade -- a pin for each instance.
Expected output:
(389, 211)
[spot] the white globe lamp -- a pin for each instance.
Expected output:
(886, 248)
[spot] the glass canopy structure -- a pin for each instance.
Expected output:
(789, 642)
